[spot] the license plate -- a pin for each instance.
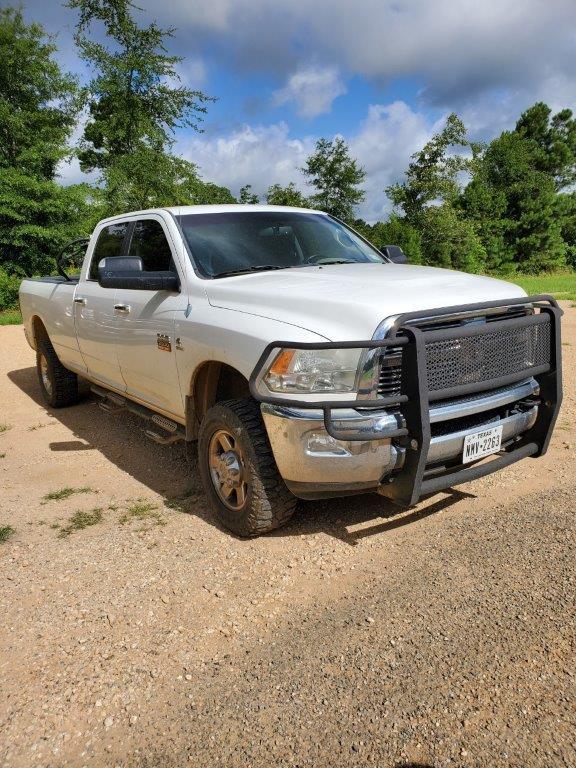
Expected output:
(481, 444)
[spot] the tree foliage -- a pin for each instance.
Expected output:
(503, 206)
(513, 198)
(247, 196)
(38, 109)
(289, 195)
(135, 103)
(336, 176)
(433, 172)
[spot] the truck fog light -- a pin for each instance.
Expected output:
(322, 444)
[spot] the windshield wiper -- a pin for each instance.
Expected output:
(258, 268)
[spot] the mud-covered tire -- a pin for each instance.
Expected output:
(59, 385)
(268, 502)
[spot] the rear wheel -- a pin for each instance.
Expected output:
(59, 385)
(238, 471)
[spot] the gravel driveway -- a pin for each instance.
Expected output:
(135, 632)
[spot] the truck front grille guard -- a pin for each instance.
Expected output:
(414, 400)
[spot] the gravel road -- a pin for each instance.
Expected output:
(138, 633)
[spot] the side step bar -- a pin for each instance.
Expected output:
(170, 432)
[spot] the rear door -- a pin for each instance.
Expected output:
(146, 320)
(94, 314)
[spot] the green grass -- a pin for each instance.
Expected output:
(10, 317)
(65, 493)
(142, 510)
(81, 520)
(4, 428)
(5, 532)
(562, 285)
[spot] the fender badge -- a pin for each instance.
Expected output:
(163, 342)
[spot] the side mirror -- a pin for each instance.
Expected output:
(395, 254)
(128, 273)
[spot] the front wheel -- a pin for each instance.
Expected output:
(238, 471)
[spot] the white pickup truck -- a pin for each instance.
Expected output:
(302, 360)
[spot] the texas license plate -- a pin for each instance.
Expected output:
(481, 444)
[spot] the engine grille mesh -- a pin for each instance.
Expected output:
(471, 360)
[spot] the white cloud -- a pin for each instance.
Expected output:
(264, 155)
(192, 73)
(458, 48)
(257, 155)
(387, 137)
(312, 89)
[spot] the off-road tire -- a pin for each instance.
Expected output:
(269, 504)
(62, 389)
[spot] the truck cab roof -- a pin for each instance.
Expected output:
(186, 210)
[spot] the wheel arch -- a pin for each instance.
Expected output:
(213, 381)
(38, 331)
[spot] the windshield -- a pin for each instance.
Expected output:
(230, 243)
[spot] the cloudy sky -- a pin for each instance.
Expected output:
(382, 73)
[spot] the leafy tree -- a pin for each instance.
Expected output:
(38, 109)
(247, 197)
(362, 227)
(449, 240)
(208, 193)
(553, 142)
(150, 179)
(135, 103)
(397, 231)
(279, 195)
(567, 215)
(336, 177)
(513, 201)
(433, 225)
(433, 172)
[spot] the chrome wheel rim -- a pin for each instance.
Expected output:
(44, 373)
(227, 469)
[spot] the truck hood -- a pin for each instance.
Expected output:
(345, 302)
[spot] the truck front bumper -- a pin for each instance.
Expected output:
(408, 444)
(315, 465)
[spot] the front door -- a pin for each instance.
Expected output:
(94, 313)
(146, 320)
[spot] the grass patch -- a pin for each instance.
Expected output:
(562, 285)
(2, 455)
(81, 520)
(144, 511)
(183, 502)
(34, 427)
(4, 428)
(65, 493)
(5, 532)
(10, 317)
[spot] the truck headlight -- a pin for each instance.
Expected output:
(313, 370)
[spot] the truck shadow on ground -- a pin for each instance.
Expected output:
(168, 471)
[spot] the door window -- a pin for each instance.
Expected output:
(150, 244)
(108, 245)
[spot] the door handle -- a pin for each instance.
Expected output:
(80, 300)
(125, 309)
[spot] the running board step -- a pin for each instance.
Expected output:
(112, 403)
(161, 439)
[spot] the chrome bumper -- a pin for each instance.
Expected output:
(314, 464)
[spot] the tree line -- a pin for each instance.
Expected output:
(498, 207)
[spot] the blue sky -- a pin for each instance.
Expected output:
(382, 73)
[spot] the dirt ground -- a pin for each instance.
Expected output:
(355, 636)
